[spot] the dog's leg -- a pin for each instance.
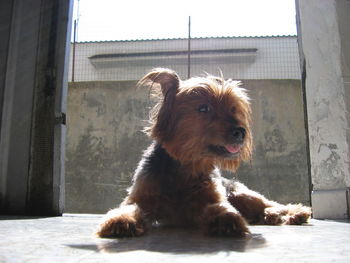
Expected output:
(125, 221)
(224, 220)
(259, 210)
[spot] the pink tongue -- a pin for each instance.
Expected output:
(233, 148)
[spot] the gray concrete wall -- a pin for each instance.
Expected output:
(279, 165)
(104, 142)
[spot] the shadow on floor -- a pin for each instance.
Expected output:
(173, 240)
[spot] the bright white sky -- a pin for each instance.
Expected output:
(158, 19)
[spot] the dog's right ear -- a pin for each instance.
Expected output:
(168, 80)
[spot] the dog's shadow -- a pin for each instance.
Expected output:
(174, 241)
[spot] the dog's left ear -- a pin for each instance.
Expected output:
(162, 120)
(168, 80)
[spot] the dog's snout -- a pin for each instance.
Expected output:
(238, 134)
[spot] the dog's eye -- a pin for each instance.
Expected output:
(204, 108)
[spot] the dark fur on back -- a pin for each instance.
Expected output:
(173, 189)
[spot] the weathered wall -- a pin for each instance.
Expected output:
(104, 142)
(325, 28)
(325, 94)
(279, 165)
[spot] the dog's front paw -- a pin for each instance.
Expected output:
(297, 214)
(273, 216)
(287, 215)
(120, 227)
(123, 222)
(228, 224)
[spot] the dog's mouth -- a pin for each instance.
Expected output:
(228, 150)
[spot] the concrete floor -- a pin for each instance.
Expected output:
(69, 239)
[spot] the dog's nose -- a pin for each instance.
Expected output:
(238, 134)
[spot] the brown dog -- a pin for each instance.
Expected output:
(199, 125)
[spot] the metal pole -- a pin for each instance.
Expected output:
(73, 55)
(189, 49)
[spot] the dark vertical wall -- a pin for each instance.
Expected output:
(18, 86)
(5, 22)
(33, 45)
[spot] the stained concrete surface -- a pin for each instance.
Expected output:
(69, 239)
(105, 142)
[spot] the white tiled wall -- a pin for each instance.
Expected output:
(275, 58)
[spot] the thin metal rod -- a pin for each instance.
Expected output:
(189, 49)
(73, 55)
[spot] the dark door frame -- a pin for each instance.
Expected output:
(34, 52)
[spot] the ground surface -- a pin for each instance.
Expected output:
(69, 239)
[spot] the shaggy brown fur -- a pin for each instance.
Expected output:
(198, 126)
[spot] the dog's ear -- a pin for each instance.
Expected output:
(162, 121)
(168, 80)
